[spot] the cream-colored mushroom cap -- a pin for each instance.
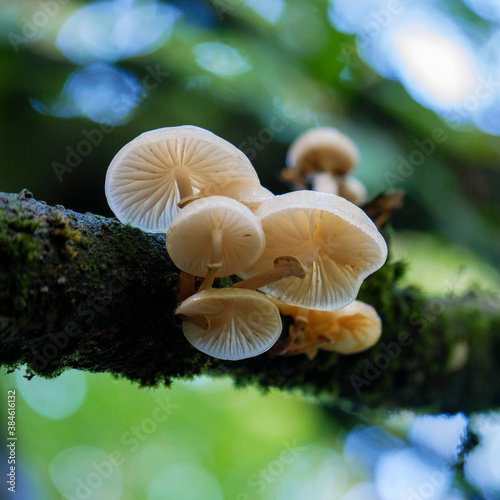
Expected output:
(320, 149)
(215, 231)
(355, 328)
(351, 329)
(230, 324)
(149, 175)
(333, 238)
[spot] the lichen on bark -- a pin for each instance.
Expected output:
(87, 292)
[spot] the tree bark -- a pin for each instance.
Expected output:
(87, 292)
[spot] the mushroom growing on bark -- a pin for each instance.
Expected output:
(150, 175)
(351, 329)
(332, 238)
(229, 323)
(213, 237)
(323, 149)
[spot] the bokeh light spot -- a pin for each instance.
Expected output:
(114, 30)
(435, 65)
(406, 473)
(86, 472)
(363, 491)
(99, 91)
(270, 10)
(309, 472)
(220, 59)
(55, 399)
(481, 468)
(441, 434)
(185, 481)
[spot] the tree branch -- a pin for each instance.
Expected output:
(86, 292)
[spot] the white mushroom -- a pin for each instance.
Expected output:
(334, 239)
(322, 149)
(213, 237)
(230, 324)
(152, 173)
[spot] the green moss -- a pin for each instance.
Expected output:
(21, 246)
(17, 234)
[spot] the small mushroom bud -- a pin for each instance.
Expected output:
(230, 324)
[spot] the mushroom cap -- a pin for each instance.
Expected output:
(356, 327)
(189, 239)
(334, 239)
(141, 186)
(239, 323)
(323, 148)
(351, 329)
(249, 193)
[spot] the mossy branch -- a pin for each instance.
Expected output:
(86, 292)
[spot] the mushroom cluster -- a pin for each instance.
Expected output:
(309, 251)
(324, 158)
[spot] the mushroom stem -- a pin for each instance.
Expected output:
(215, 260)
(209, 279)
(188, 199)
(216, 250)
(283, 268)
(183, 182)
